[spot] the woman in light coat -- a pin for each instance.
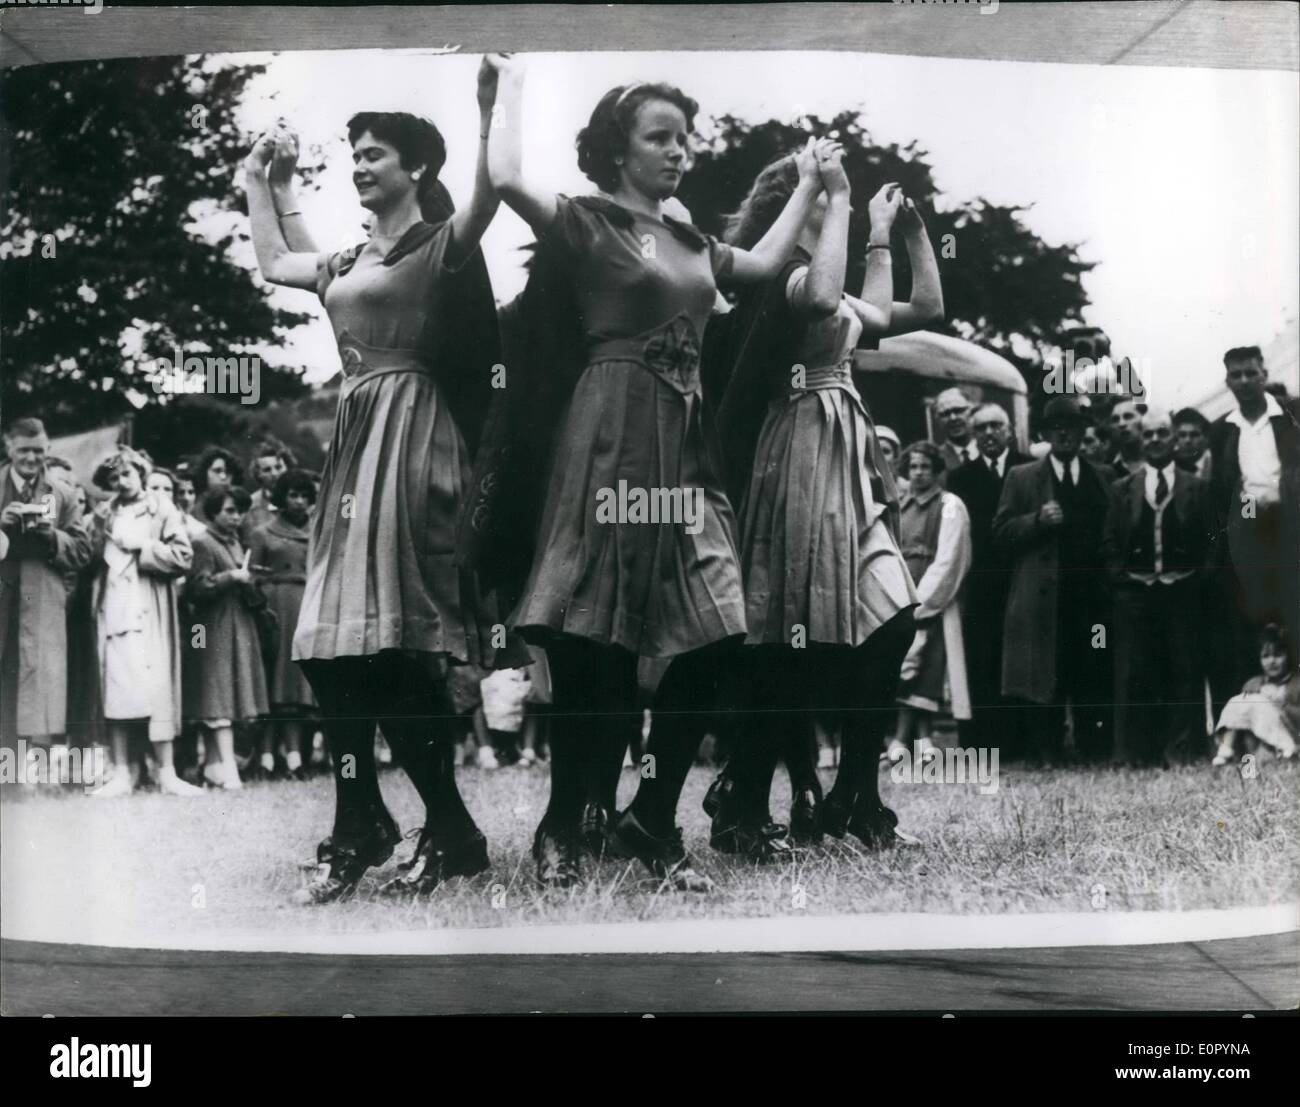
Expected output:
(143, 548)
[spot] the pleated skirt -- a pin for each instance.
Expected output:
(652, 588)
(380, 569)
(819, 562)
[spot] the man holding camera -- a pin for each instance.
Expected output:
(46, 540)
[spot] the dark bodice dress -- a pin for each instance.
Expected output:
(380, 570)
(635, 424)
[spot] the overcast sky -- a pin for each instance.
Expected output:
(1181, 183)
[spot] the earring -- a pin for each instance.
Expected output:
(618, 161)
(416, 175)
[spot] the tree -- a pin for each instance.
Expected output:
(119, 211)
(1000, 281)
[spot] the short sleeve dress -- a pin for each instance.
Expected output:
(816, 548)
(636, 545)
(380, 570)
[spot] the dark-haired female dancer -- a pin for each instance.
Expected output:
(829, 599)
(384, 608)
(603, 590)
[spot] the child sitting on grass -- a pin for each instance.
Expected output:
(1268, 708)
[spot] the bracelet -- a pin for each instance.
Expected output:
(286, 214)
(879, 246)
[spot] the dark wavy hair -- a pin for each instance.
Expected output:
(205, 463)
(767, 198)
(214, 501)
(418, 144)
(926, 449)
(605, 136)
(295, 480)
(1275, 635)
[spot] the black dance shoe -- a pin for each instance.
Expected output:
(805, 818)
(665, 857)
(760, 842)
(437, 860)
(748, 833)
(834, 815)
(339, 868)
(594, 829)
(713, 797)
(557, 856)
(873, 825)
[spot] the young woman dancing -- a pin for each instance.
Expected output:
(829, 599)
(384, 609)
(604, 589)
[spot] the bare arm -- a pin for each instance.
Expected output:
(819, 291)
(876, 305)
(293, 226)
(926, 305)
(469, 223)
(279, 264)
(766, 258)
(535, 206)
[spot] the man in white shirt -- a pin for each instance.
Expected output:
(1255, 475)
(1158, 543)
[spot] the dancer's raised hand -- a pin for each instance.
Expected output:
(830, 166)
(284, 157)
(884, 205)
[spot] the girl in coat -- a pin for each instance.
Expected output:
(935, 540)
(278, 558)
(224, 680)
(142, 549)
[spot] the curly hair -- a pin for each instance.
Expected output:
(105, 474)
(926, 449)
(606, 134)
(233, 467)
(767, 198)
(295, 480)
(418, 144)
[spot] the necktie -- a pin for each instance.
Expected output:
(1067, 479)
(1162, 487)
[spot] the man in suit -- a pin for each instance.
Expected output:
(1158, 542)
(952, 410)
(1048, 525)
(1126, 432)
(978, 484)
(47, 542)
(1192, 443)
(1255, 479)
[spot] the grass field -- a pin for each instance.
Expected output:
(1048, 841)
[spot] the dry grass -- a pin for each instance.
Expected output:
(1180, 839)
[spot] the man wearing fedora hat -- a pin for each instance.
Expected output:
(1049, 525)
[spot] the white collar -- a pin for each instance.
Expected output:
(1271, 408)
(1059, 466)
(1152, 471)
